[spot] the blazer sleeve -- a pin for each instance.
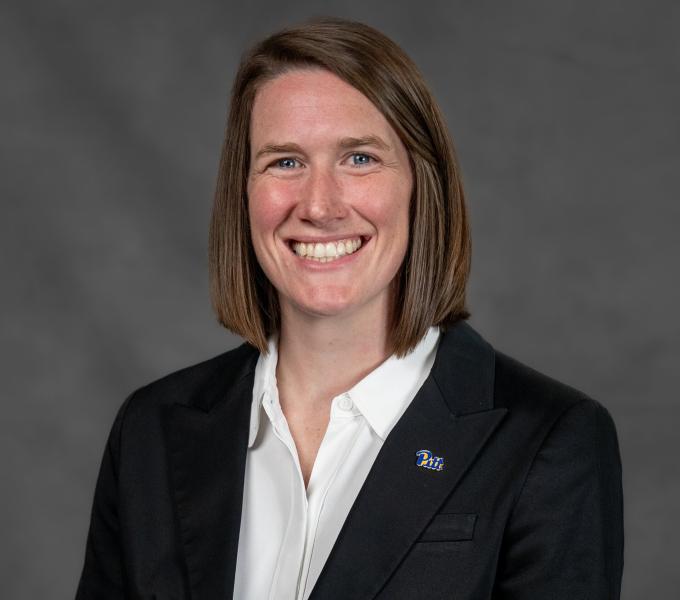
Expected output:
(564, 538)
(103, 577)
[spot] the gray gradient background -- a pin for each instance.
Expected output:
(565, 117)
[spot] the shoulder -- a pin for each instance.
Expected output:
(474, 376)
(543, 410)
(199, 385)
(187, 385)
(521, 388)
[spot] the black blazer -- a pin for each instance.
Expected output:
(528, 504)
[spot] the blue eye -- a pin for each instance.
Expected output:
(286, 163)
(361, 159)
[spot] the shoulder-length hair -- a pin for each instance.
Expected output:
(430, 286)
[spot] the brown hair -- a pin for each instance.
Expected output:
(430, 285)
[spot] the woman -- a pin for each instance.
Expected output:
(365, 442)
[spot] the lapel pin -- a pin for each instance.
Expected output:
(426, 460)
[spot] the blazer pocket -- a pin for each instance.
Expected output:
(449, 527)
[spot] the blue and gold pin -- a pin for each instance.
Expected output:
(428, 461)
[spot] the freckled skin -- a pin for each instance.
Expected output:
(321, 189)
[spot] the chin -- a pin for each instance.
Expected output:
(323, 305)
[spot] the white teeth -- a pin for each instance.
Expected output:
(326, 252)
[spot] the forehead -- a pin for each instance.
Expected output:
(303, 102)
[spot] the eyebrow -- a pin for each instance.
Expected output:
(344, 144)
(368, 140)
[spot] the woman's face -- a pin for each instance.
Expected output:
(327, 172)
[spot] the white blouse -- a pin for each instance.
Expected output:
(287, 531)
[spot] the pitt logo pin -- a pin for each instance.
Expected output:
(427, 461)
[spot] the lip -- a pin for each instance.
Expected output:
(322, 240)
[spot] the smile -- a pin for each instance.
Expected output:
(326, 251)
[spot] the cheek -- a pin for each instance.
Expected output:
(268, 206)
(387, 205)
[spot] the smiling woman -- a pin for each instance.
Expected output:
(341, 94)
(365, 441)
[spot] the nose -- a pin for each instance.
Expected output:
(321, 201)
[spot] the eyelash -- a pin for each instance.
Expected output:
(279, 160)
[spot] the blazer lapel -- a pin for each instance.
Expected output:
(451, 416)
(207, 441)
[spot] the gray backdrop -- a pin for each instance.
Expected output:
(565, 117)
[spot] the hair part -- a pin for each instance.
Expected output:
(430, 286)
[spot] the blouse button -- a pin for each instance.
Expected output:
(345, 402)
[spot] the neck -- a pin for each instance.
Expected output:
(321, 357)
